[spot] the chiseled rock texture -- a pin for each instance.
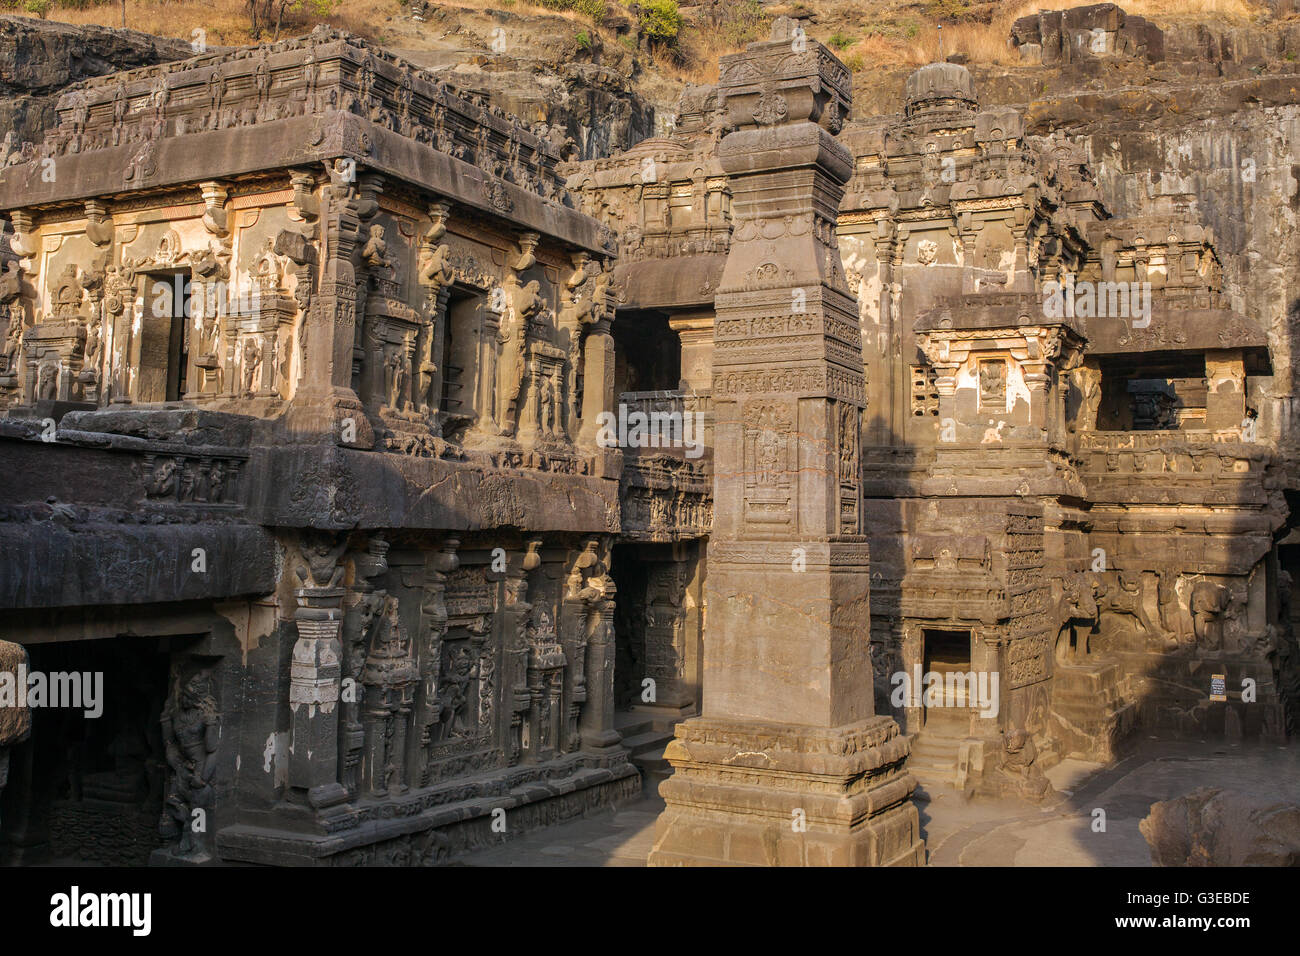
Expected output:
(39, 59)
(585, 93)
(1213, 827)
(1213, 121)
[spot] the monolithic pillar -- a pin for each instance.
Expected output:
(596, 724)
(315, 678)
(598, 379)
(789, 765)
(316, 674)
(325, 404)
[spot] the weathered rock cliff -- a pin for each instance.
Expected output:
(39, 59)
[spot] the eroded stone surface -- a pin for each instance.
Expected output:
(1213, 827)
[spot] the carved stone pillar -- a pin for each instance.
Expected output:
(598, 379)
(485, 425)
(597, 592)
(315, 677)
(789, 765)
(696, 334)
(433, 626)
(370, 566)
(597, 722)
(514, 626)
(315, 674)
(326, 405)
(1225, 397)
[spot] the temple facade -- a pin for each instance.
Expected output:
(306, 358)
(409, 489)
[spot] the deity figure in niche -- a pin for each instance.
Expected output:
(1209, 604)
(252, 364)
(458, 671)
(523, 303)
(191, 731)
(768, 456)
(14, 338)
(993, 385)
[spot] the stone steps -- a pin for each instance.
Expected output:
(646, 736)
(933, 760)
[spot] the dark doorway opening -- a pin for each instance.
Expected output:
(647, 353)
(165, 347)
(85, 789)
(631, 577)
(947, 652)
(460, 360)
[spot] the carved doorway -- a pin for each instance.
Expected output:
(946, 657)
(460, 399)
(165, 337)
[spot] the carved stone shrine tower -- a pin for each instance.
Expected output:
(789, 765)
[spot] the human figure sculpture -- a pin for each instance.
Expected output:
(375, 251)
(1020, 765)
(14, 339)
(191, 732)
(523, 303)
(435, 267)
(252, 364)
(47, 382)
(1209, 602)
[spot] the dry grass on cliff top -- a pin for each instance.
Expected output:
(879, 33)
(224, 22)
(893, 34)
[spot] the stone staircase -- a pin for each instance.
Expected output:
(646, 735)
(935, 750)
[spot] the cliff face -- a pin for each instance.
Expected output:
(1230, 153)
(39, 59)
(541, 68)
(1214, 126)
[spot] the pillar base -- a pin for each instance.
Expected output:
(745, 793)
(330, 415)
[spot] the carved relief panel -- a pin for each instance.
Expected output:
(769, 456)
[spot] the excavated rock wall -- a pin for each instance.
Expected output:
(40, 59)
(1214, 125)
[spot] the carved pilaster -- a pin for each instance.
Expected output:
(325, 407)
(365, 606)
(316, 673)
(433, 627)
(514, 626)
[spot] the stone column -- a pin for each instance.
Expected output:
(325, 404)
(1225, 397)
(514, 622)
(433, 628)
(696, 333)
(598, 379)
(789, 765)
(485, 426)
(597, 722)
(315, 676)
